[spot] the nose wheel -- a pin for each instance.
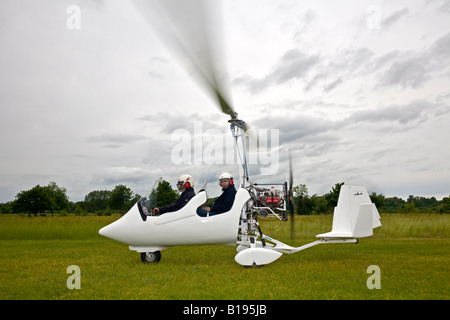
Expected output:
(151, 257)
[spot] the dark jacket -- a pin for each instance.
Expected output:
(225, 201)
(184, 198)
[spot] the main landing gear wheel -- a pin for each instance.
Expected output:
(254, 265)
(151, 257)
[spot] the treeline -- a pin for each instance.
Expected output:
(52, 199)
(49, 199)
(315, 204)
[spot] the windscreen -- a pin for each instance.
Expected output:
(148, 200)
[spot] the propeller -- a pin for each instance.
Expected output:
(291, 198)
(189, 29)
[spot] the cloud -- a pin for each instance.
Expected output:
(414, 112)
(440, 49)
(335, 70)
(112, 176)
(445, 7)
(293, 65)
(295, 128)
(173, 122)
(413, 69)
(115, 141)
(315, 136)
(407, 69)
(333, 84)
(313, 70)
(305, 22)
(394, 17)
(95, 107)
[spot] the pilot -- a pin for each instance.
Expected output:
(185, 184)
(225, 201)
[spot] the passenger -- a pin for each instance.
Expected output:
(225, 201)
(185, 185)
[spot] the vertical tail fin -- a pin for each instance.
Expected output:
(355, 215)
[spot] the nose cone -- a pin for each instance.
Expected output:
(112, 231)
(121, 230)
(105, 231)
(125, 229)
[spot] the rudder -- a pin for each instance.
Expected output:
(355, 215)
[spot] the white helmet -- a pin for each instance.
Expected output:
(225, 175)
(185, 179)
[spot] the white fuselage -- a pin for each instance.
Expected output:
(182, 227)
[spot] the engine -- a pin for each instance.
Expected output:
(269, 201)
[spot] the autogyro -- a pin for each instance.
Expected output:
(354, 217)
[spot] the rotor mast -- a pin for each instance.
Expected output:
(237, 128)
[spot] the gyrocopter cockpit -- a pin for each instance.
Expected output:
(150, 199)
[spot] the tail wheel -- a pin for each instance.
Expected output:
(151, 257)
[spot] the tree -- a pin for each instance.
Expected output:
(41, 199)
(165, 194)
(410, 206)
(377, 199)
(444, 207)
(319, 204)
(332, 197)
(6, 207)
(97, 200)
(34, 201)
(302, 199)
(59, 196)
(300, 191)
(120, 198)
(393, 204)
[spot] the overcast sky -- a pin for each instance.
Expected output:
(358, 91)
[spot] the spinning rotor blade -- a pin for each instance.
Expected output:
(291, 198)
(189, 28)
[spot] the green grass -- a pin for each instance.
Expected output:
(411, 251)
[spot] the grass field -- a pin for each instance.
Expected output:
(412, 252)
